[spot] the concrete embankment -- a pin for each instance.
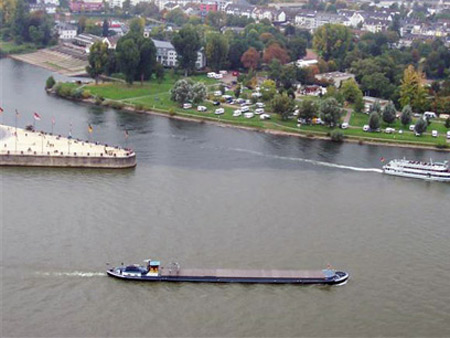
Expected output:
(21, 147)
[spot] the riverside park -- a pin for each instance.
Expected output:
(154, 97)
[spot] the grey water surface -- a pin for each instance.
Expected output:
(208, 197)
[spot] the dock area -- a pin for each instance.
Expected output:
(20, 147)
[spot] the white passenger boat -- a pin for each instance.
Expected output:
(433, 171)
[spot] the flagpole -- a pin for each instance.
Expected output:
(15, 145)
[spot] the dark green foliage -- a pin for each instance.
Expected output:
(159, 72)
(389, 113)
(330, 112)
(421, 126)
(374, 120)
(337, 136)
(105, 28)
(447, 123)
(282, 105)
(308, 110)
(127, 58)
(98, 60)
(50, 82)
(406, 117)
(187, 44)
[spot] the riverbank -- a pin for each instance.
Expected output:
(20, 147)
(154, 98)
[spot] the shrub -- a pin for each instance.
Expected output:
(337, 136)
(442, 144)
(116, 105)
(76, 93)
(172, 112)
(86, 94)
(447, 123)
(139, 107)
(50, 82)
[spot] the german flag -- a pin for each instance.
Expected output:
(90, 129)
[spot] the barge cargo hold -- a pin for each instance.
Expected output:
(152, 272)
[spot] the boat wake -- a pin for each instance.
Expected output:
(314, 162)
(72, 274)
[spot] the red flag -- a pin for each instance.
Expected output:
(382, 159)
(1, 110)
(37, 117)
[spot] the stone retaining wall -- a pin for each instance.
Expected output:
(68, 161)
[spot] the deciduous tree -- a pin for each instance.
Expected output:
(250, 59)
(216, 51)
(374, 120)
(412, 91)
(406, 117)
(275, 51)
(98, 60)
(187, 44)
(389, 113)
(282, 105)
(128, 56)
(330, 113)
(332, 41)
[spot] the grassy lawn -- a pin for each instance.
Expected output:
(10, 47)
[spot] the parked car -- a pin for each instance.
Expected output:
(448, 134)
(216, 103)
(260, 104)
(429, 115)
(202, 108)
(412, 127)
(259, 111)
(218, 76)
(296, 112)
(237, 113)
(211, 75)
(264, 116)
(248, 101)
(245, 109)
(187, 106)
(223, 72)
(434, 133)
(389, 130)
(219, 111)
(344, 125)
(248, 115)
(366, 127)
(256, 94)
(217, 93)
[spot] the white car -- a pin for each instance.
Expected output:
(187, 106)
(223, 72)
(248, 115)
(448, 134)
(237, 113)
(264, 116)
(219, 111)
(366, 127)
(202, 108)
(217, 93)
(218, 76)
(245, 109)
(260, 105)
(257, 94)
(389, 130)
(434, 133)
(344, 125)
(259, 111)
(248, 101)
(296, 112)
(412, 127)
(211, 75)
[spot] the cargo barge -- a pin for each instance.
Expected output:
(152, 271)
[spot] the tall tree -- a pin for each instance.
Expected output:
(147, 59)
(105, 28)
(282, 105)
(128, 58)
(187, 44)
(216, 19)
(420, 126)
(389, 113)
(330, 113)
(351, 91)
(406, 117)
(308, 110)
(332, 41)
(374, 121)
(412, 91)
(250, 59)
(216, 51)
(98, 60)
(19, 27)
(275, 51)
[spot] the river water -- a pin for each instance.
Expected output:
(208, 197)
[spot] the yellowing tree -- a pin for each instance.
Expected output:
(412, 91)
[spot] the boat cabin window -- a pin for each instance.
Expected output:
(132, 268)
(154, 267)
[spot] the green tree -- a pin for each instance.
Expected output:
(216, 51)
(406, 117)
(275, 70)
(308, 110)
(105, 28)
(287, 76)
(282, 105)
(332, 41)
(237, 91)
(181, 91)
(81, 26)
(128, 58)
(147, 59)
(412, 91)
(177, 17)
(187, 44)
(376, 107)
(389, 113)
(359, 105)
(330, 113)
(447, 123)
(420, 126)
(374, 120)
(268, 90)
(137, 25)
(216, 19)
(198, 92)
(98, 60)
(297, 47)
(159, 72)
(351, 91)
(50, 82)
(19, 22)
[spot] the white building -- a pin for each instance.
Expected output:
(66, 31)
(167, 55)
